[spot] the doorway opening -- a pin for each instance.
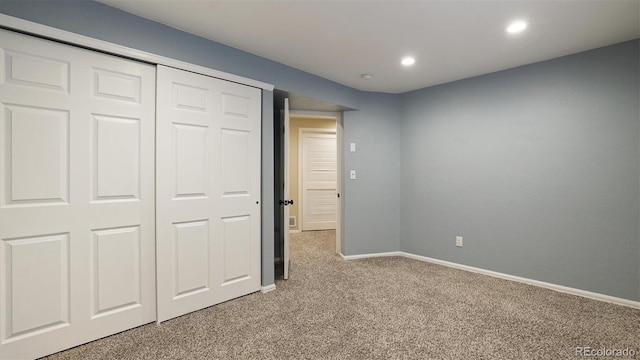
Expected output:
(308, 175)
(312, 173)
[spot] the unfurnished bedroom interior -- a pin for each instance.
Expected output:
(319, 179)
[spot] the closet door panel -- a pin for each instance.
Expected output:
(76, 195)
(185, 163)
(208, 167)
(239, 191)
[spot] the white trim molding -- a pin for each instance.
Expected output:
(29, 27)
(542, 284)
(372, 255)
(268, 288)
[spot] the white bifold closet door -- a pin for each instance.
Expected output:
(77, 252)
(208, 191)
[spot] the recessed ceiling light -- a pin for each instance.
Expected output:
(516, 26)
(366, 76)
(408, 61)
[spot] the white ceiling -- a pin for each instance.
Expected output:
(451, 40)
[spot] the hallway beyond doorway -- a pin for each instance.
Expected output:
(308, 245)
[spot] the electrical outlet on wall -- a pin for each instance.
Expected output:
(459, 241)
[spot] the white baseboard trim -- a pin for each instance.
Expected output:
(268, 288)
(555, 287)
(542, 284)
(365, 256)
(294, 231)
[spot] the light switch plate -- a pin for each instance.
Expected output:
(352, 174)
(352, 147)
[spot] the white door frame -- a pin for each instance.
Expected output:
(340, 183)
(337, 116)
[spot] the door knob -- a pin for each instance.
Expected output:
(286, 202)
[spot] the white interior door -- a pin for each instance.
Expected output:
(285, 218)
(208, 191)
(77, 249)
(318, 166)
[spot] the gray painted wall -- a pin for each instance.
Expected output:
(371, 202)
(537, 167)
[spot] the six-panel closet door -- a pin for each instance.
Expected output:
(208, 191)
(85, 250)
(77, 236)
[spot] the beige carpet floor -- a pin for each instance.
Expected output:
(380, 308)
